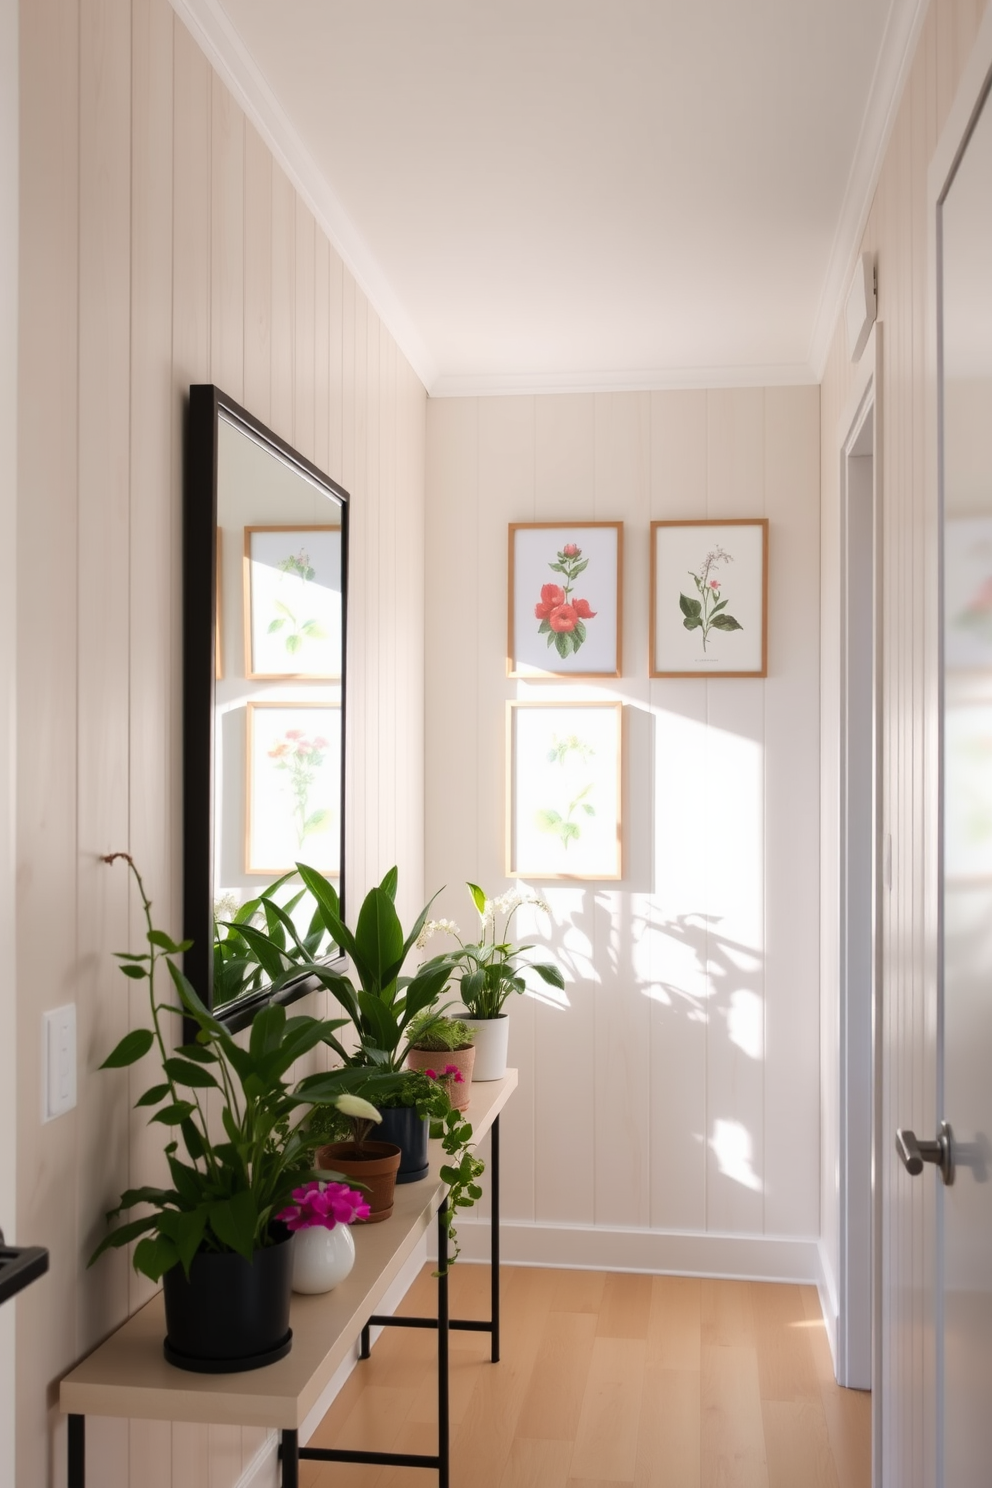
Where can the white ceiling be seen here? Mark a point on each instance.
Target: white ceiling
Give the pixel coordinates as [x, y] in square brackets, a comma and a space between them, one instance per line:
[545, 194]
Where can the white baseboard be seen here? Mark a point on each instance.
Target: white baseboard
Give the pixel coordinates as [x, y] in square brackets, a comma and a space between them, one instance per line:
[263, 1470]
[826, 1286]
[679, 1252]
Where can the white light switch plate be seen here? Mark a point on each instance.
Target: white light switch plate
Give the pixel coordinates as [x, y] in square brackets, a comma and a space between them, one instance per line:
[60, 1060]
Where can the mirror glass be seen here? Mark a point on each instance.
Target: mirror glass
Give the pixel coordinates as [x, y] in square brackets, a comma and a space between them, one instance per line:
[965, 237]
[265, 547]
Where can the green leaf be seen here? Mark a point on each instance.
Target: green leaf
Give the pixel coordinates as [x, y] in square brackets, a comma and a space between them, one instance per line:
[123, 1235]
[544, 627]
[166, 943]
[314, 630]
[132, 1047]
[185, 1072]
[193, 1138]
[693, 622]
[547, 821]
[317, 820]
[563, 644]
[726, 622]
[557, 567]
[233, 1221]
[293, 643]
[390, 882]
[198, 1053]
[174, 1115]
[478, 897]
[589, 810]
[579, 633]
[135, 972]
[274, 626]
[378, 939]
[269, 955]
[549, 973]
[153, 1096]
[154, 1257]
[580, 568]
[717, 607]
[689, 606]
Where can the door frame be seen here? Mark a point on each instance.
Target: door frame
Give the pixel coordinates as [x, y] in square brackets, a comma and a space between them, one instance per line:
[859, 1293]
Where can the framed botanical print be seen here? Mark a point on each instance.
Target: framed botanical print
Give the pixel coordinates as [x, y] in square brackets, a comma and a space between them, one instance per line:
[709, 598]
[293, 787]
[563, 793]
[292, 602]
[565, 599]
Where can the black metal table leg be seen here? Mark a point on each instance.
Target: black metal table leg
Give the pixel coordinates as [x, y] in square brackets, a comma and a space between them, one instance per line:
[289, 1452]
[77, 1452]
[443, 1427]
[494, 1242]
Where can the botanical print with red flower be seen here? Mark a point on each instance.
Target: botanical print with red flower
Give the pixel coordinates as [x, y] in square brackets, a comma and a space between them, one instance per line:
[561, 612]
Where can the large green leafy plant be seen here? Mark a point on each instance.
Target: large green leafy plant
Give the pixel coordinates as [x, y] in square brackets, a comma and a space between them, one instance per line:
[385, 1002]
[225, 1192]
[246, 956]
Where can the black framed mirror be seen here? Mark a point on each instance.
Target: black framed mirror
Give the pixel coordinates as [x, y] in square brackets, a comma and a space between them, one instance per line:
[265, 560]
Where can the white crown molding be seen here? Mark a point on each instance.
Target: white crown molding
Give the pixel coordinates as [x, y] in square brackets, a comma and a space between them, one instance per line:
[895, 57]
[213, 31]
[484, 385]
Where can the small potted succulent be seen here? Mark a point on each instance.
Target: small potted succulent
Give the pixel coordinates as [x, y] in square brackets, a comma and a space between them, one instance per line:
[445, 1048]
[487, 973]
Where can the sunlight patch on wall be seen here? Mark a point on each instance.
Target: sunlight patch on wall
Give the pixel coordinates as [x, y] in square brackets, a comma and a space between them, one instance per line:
[732, 1147]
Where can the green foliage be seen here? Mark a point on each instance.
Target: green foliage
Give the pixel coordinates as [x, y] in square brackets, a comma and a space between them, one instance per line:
[487, 971]
[246, 956]
[436, 1033]
[385, 1002]
[224, 1193]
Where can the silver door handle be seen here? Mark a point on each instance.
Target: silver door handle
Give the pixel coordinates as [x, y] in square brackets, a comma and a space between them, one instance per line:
[915, 1153]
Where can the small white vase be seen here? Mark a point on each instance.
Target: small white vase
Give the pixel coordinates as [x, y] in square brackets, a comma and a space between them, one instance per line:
[491, 1039]
[322, 1257]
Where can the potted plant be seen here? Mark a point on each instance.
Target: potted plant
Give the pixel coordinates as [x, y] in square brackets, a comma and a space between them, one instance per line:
[320, 1217]
[215, 1238]
[446, 1046]
[487, 972]
[383, 1006]
[426, 1096]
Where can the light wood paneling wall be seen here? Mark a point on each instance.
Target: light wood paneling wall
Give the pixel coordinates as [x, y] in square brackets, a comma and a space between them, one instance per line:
[679, 1088]
[896, 234]
[160, 245]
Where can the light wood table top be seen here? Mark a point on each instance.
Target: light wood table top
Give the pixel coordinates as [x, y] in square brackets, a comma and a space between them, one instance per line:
[128, 1375]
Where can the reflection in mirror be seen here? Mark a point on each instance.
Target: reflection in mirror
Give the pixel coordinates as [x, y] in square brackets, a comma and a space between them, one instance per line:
[264, 647]
[965, 228]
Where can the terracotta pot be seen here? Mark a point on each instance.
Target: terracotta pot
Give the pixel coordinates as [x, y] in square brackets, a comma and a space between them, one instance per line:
[436, 1059]
[374, 1164]
[491, 1036]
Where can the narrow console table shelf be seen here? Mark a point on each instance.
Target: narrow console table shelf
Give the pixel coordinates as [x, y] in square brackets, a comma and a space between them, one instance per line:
[127, 1376]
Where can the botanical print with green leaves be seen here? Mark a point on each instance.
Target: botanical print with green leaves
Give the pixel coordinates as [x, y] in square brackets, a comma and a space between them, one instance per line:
[300, 573]
[709, 611]
[570, 754]
[300, 759]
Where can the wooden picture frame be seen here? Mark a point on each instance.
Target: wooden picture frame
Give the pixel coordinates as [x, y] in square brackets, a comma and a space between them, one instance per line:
[565, 608]
[293, 818]
[292, 599]
[695, 630]
[564, 790]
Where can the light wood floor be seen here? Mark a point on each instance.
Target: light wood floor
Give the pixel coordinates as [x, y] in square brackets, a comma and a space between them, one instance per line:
[608, 1380]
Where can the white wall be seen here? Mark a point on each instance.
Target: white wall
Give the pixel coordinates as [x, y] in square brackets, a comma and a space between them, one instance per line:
[8, 612]
[674, 1101]
[161, 245]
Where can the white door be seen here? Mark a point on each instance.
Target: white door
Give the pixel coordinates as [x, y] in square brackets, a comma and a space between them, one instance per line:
[964, 1341]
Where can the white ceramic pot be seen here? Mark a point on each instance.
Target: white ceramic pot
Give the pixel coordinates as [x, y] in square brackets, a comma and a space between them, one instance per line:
[491, 1039]
[322, 1257]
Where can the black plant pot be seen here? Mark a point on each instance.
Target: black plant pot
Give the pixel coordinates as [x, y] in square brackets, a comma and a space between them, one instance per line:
[406, 1130]
[230, 1315]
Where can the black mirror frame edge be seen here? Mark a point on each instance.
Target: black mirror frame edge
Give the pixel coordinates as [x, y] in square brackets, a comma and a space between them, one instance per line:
[206, 406]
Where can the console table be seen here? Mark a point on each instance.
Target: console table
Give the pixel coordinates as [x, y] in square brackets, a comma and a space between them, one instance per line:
[127, 1376]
